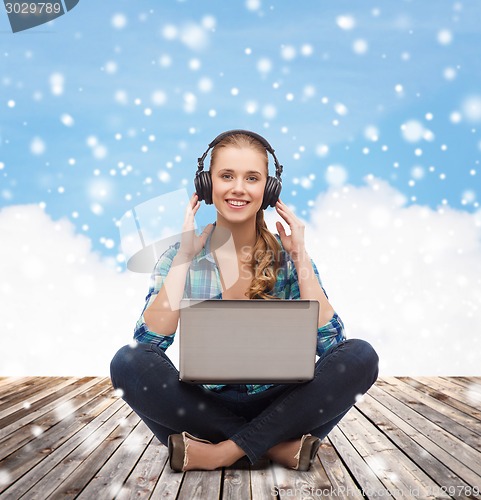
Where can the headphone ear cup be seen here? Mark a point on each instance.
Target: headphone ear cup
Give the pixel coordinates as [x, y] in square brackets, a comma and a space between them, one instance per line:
[203, 186]
[271, 192]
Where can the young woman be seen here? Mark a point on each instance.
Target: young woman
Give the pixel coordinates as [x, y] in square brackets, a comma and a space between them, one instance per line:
[212, 426]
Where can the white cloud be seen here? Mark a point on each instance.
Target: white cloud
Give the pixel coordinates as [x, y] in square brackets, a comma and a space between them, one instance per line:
[64, 310]
[407, 279]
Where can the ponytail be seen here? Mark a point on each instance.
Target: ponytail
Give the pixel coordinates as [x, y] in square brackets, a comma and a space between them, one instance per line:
[266, 257]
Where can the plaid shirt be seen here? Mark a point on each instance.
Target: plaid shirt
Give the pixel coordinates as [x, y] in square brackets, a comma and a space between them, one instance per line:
[203, 282]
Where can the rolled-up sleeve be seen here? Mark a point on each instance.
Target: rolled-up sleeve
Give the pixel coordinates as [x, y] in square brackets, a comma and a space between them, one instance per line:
[161, 269]
[332, 332]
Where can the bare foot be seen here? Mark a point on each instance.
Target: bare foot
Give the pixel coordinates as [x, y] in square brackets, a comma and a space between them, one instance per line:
[284, 453]
[204, 456]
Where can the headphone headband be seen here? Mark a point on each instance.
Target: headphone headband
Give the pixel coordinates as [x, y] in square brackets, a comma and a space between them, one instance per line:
[220, 137]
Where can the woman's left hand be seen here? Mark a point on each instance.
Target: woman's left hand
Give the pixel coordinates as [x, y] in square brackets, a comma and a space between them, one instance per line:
[293, 243]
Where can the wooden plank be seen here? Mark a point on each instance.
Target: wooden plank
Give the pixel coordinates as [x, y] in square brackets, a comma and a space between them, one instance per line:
[11, 423]
[446, 382]
[341, 481]
[145, 475]
[200, 485]
[86, 460]
[7, 382]
[262, 481]
[169, 483]
[388, 445]
[65, 438]
[364, 476]
[25, 390]
[22, 397]
[307, 484]
[108, 481]
[46, 421]
[459, 417]
[457, 391]
[445, 392]
[237, 480]
[433, 437]
[21, 394]
[406, 438]
[71, 475]
[236, 484]
[27, 404]
[10, 383]
[470, 389]
[434, 411]
[398, 473]
[469, 383]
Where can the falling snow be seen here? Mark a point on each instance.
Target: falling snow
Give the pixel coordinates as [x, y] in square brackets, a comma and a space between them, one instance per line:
[346, 22]
[350, 100]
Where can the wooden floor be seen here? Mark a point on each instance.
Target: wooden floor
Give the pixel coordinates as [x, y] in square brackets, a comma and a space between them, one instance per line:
[74, 438]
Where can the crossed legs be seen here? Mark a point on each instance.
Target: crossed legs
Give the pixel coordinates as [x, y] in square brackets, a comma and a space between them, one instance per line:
[150, 386]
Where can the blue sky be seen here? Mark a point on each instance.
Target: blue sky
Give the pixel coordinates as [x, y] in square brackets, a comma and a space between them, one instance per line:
[109, 106]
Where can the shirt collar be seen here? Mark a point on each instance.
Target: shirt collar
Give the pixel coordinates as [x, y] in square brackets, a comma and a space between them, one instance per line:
[205, 253]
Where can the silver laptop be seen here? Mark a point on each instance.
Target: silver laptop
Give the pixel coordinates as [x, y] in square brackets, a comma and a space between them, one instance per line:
[247, 341]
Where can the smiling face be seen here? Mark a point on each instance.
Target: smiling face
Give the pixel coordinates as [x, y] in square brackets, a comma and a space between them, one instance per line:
[239, 176]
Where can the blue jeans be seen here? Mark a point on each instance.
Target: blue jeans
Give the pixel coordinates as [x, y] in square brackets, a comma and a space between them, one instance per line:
[151, 387]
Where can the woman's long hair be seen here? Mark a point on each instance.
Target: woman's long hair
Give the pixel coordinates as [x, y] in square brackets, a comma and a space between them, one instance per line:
[266, 254]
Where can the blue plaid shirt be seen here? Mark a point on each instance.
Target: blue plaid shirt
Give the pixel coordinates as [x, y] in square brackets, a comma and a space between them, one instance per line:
[203, 282]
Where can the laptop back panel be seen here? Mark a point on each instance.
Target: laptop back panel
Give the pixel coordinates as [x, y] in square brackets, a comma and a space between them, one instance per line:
[247, 341]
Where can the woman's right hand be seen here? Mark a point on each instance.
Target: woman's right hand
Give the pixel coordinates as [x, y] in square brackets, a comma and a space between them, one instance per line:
[190, 243]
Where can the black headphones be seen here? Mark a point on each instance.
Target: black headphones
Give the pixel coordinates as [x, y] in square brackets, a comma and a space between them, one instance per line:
[203, 180]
